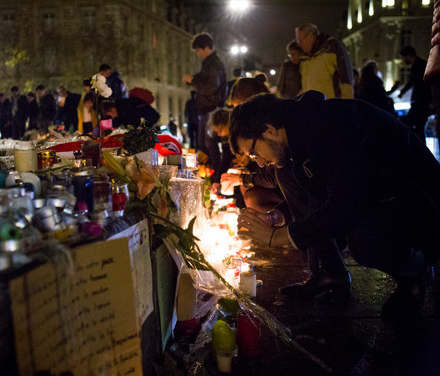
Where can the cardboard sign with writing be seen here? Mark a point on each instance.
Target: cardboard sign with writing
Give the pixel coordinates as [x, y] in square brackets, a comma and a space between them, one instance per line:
[139, 246]
[81, 320]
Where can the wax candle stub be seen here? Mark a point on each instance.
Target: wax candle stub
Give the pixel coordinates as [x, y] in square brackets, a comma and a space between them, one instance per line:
[224, 362]
[248, 283]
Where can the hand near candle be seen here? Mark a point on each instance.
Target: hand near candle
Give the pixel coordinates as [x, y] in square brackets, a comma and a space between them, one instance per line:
[253, 225]
[257, 227]
[215, 188]
[230, 179]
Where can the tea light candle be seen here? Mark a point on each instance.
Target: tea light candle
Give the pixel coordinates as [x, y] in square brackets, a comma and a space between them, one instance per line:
[248, 283]
[25, 158]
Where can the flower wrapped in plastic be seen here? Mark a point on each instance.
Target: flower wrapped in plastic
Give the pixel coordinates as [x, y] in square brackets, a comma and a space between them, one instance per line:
[145, 177]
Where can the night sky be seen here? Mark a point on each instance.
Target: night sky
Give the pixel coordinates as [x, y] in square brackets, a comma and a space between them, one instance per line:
[269, 25]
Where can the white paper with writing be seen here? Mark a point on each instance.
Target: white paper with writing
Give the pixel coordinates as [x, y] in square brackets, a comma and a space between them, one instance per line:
[84, 322]
[139, 245]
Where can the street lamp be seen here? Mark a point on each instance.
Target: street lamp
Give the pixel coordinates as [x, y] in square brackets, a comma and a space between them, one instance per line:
[235, 50]
[239, 50]
[273, 72]
[239, 6]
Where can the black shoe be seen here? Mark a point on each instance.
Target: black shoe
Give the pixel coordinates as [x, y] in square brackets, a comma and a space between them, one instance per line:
[405, 302]
[321, 286]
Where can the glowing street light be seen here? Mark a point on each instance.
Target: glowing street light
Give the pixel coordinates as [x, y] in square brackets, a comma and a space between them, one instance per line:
[238, 50]
[235, 50]
[272, 72]
[239, 6]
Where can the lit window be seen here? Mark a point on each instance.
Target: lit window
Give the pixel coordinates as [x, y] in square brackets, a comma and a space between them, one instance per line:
[371, 8]
[359, 14]
[349, 22]
[426, 3]
[388, 3]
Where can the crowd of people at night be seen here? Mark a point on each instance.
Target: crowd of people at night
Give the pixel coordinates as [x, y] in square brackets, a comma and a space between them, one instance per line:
[321, 164]
[75, 112]
[324, 164]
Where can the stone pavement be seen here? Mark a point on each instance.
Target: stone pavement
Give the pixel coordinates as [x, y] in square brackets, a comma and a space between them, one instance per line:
[350, 338]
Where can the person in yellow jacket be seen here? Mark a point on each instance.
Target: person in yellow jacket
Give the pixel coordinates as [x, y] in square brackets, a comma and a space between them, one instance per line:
[87, 117]
[326, 66]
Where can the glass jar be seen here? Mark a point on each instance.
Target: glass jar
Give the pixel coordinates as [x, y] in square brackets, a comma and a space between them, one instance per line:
[46, 158]
[83, 187]
[26, 159]
[102, 193]
[92, 150]
[119, 198]
[21, 204]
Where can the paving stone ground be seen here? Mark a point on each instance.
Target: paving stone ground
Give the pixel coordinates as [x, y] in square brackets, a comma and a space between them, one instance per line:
[350, 338]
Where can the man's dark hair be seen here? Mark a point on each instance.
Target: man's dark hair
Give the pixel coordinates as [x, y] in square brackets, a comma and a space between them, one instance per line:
[30, 94]
[219, 118]
[237, 72]
[87, 82]
[292, 45]
[262, 77]
[14, 88]
[202, 40]
[104, 67]
[408, 51]
[248, 120]
[40, 87]
[246, 87]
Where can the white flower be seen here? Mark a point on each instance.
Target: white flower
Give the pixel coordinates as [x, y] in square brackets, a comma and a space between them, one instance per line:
[100, 86]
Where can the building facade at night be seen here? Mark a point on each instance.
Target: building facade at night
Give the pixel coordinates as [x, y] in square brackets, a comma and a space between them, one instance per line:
[63, 42]
[378, 29]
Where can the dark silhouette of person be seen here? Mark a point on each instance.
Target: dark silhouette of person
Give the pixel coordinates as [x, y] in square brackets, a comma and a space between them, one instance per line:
[192, 119]
[421, 94]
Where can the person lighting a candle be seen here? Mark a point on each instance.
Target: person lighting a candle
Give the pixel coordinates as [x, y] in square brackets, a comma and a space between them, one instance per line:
[367, 177]
[329, 280]
[219, 125]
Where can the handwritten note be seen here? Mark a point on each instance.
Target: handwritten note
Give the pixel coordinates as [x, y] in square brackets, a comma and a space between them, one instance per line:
[80, 319]
[139, 246]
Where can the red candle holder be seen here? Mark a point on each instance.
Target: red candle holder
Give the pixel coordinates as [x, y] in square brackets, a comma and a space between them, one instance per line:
[248, 335]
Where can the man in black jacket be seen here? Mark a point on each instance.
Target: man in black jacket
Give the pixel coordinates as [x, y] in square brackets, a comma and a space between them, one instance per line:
[16, 108]
[367, 177]
[130, 111]
[210, 85]
[47, 109]
[192, 119]
[420, 96]
[67, 109]
[4, 116]
[119, 89]
[32, 110]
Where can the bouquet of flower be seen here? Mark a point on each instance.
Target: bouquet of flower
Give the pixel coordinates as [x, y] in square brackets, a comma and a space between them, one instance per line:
[144, 181]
